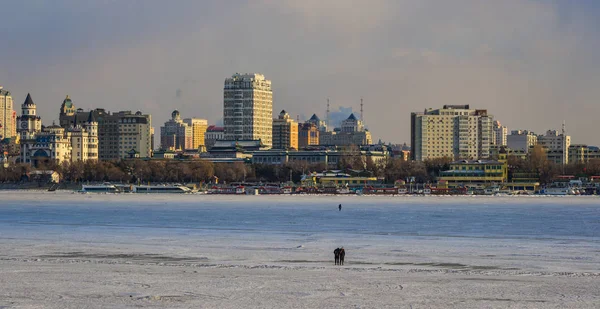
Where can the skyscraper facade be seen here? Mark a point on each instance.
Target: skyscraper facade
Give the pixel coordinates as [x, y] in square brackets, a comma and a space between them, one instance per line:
[248, 108]
[500, 133]
[285, 132]
[8, 116]
[199, 127]
[454, 131]
[175, 134]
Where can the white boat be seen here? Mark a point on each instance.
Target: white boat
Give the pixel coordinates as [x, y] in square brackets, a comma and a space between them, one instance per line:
[161, 189]
[99, 188]
[558, 188]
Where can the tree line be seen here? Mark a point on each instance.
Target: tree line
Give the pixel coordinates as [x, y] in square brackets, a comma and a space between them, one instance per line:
[198, 171]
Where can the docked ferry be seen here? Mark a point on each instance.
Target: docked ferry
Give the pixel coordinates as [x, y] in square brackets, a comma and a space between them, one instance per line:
[558, 188]
[99, 188]
[161, 189]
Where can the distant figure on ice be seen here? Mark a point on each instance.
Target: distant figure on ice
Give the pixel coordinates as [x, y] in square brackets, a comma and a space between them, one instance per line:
[340, 207]
[336, 254]
[342, 255]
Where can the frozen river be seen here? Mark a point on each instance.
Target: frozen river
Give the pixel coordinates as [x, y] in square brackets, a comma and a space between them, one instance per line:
[479, 236]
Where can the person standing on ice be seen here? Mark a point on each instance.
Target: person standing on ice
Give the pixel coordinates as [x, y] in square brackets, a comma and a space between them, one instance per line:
[340, 207]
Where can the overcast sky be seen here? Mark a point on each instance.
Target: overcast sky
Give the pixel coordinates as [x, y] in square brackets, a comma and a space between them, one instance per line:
[531, 63]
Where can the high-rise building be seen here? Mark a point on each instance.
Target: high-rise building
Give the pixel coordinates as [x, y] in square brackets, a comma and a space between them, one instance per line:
[119, 134]
[308, 135]
[248, 108]
[352, 132]
[199, 127]
[175, 134]
[500, 132]
[521, 140]
[213, 134]
[8, 117]
[77, 142]
[285, 132]
[454, 131]
[557, 143]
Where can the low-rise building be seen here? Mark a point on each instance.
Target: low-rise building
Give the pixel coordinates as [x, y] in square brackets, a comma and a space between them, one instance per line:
[213, 134]
[476, 172]
[329, 156]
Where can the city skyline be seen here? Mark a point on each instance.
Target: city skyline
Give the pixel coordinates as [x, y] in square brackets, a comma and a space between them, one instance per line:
[531, 73]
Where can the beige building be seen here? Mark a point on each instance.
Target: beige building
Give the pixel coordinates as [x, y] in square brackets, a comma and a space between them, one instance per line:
[176, 135]
[352, 132]
[285, 132]
[119, 134]
[308, 135]
[199, 127]
[454, 131]
[248, 108]
[77, 142]
[8, 116]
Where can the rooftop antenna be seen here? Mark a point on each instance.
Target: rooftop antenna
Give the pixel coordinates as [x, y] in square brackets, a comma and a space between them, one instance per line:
[298, 118]
[327, 116]
[361, 110]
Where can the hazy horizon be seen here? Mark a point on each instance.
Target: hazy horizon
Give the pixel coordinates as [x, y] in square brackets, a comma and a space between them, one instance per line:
[533, 64]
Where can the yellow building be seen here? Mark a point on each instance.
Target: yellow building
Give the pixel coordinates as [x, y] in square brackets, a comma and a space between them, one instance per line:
[475, 172]
[199, 127]
[285, 132]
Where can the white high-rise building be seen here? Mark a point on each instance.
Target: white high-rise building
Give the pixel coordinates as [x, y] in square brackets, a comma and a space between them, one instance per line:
[454, 131]
[248, 108]
[500, 132]
[557, 143]
[8, 116]
[521, 140]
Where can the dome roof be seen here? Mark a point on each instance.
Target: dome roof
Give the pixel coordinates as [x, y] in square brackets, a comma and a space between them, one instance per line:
[175, 114]
[67, 102]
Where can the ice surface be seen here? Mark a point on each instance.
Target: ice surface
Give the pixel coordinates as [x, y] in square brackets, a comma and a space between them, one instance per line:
[462, 252]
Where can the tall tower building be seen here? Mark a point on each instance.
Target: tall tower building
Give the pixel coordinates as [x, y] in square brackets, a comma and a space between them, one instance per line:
[30, 124]
[175, 134]
[248, 108]
[454, 131]
[8, 117]
[199, 127]
[285, 132]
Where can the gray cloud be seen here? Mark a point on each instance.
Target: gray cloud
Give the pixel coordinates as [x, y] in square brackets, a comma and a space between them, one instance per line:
[533, 64]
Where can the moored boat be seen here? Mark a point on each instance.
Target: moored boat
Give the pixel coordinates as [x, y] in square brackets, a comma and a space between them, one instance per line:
[99, 188]
[161, 189]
